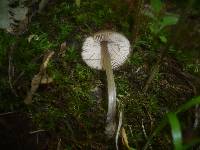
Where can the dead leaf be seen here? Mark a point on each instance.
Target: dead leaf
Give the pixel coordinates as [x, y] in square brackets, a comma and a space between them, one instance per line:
[46, 80]
[39, 78]
[46, 59]
[124, 138]
[34, 86]
[33, 36]
[63, 48]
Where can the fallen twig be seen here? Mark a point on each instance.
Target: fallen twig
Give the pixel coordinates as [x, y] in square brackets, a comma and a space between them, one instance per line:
[59, 144]
[129, 126]
[143, 130]
[7, 113]
[11, 69]
[145, 134]
[37, 131]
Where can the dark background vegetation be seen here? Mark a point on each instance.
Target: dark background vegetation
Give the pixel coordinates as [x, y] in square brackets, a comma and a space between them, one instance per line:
[162, 73]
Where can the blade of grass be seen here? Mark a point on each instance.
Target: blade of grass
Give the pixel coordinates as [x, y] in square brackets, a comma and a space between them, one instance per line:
[189, 104]
[176, 130]
[156, 132]
[182, 108]
[192, 143]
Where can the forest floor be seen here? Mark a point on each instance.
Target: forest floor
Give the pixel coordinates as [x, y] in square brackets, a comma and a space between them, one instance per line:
[68, 110]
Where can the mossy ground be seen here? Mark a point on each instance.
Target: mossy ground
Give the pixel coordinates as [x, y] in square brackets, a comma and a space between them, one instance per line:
[67, 108]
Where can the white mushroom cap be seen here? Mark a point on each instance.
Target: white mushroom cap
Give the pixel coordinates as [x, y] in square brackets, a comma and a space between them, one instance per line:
[118, 47]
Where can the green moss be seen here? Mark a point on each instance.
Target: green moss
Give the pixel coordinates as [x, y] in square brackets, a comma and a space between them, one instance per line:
[136, 59]
[66, 106]
[72, 55]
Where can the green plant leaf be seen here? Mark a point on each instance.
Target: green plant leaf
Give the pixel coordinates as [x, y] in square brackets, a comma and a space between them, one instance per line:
[78, 3]
[156, 5]
[154, 28]
[163, 39]
[176, 130]
[132, 148]
[149, 14]
[168, 20]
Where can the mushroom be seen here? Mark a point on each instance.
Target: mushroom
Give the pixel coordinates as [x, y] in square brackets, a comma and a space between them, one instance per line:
[107, 50]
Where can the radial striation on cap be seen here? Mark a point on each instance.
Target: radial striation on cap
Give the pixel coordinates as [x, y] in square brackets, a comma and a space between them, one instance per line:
[118, 47]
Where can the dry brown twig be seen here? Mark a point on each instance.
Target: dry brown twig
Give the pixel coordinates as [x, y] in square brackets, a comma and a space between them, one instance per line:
[40, 78]
[11, 69]
[145, 134]
[6, 113]
[59, 144]
[37, 131]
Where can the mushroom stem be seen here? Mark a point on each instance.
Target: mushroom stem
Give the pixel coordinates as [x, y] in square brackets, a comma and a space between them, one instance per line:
[106, 64]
